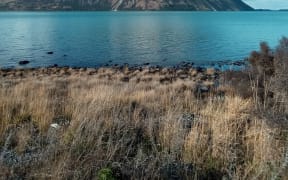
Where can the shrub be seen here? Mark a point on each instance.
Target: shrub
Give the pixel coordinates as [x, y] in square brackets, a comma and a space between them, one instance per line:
[262, 61]
[280, 79]
[105, 174]
[262, 69]
[269, 73]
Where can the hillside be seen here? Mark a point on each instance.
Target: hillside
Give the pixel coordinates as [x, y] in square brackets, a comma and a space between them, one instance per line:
[201, 5]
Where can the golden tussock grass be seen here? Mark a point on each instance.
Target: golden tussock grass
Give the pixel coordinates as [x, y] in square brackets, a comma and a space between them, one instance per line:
[138, 129]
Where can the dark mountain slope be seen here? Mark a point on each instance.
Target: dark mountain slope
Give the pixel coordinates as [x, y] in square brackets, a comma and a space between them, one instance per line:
[197, 5]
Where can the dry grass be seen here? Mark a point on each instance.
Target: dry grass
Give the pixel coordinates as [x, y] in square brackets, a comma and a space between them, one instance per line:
[138, 129]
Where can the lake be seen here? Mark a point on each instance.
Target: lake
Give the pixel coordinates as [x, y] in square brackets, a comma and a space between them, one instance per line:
[91, 39]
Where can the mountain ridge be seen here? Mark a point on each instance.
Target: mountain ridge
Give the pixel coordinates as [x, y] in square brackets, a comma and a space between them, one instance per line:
[126, 5]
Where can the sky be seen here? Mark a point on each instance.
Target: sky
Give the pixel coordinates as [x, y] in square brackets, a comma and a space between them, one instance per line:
[268, 4]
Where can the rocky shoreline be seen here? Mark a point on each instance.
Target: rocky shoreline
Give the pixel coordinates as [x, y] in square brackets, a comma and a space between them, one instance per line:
[203, 80]
[181, 72]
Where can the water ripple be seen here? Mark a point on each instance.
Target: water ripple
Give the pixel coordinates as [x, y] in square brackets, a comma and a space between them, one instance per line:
[91, 39]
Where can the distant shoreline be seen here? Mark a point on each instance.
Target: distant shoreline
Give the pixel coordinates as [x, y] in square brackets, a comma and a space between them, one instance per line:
[87, 10]
[79, 10]
[119, 5]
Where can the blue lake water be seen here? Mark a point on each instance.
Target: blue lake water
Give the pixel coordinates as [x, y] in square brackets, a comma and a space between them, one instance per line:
[159, 38]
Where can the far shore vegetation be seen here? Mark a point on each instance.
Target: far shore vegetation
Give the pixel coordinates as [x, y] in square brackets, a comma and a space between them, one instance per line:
[147, 123]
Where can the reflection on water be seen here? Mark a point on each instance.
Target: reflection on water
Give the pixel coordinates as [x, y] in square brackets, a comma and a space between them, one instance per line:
[165, 38]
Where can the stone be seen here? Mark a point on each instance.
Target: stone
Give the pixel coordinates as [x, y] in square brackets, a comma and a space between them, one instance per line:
[210, 71]
[24, 62]
[200, 69]
[125, 79]
[183, 76]
[55, 126]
